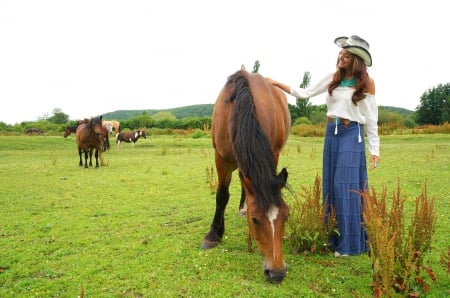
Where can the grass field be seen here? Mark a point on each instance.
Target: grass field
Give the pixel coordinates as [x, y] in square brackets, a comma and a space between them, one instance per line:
[133, 228]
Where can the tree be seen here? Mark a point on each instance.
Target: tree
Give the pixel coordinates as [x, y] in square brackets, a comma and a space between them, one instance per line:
[434, 107]
[58, 117]
[303, 107]
[256, 67]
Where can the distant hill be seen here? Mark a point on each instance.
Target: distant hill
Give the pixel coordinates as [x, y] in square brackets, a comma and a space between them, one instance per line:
[203, 110]
[401, 111]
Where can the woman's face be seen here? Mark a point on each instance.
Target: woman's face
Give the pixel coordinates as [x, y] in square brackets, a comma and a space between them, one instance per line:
[345, 60]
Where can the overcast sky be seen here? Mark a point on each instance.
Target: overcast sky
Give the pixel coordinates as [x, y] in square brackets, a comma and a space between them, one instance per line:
[97, 56]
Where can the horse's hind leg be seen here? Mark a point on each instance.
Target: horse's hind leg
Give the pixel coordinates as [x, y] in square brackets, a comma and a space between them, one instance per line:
[80, 153]
[96, 158]
[217, 229]
[90, 157]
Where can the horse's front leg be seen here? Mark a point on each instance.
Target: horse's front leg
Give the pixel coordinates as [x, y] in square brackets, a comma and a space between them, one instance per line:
[217, 229]
[86, 159]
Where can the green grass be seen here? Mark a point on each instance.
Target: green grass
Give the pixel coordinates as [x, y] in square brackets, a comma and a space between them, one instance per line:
[134, 227]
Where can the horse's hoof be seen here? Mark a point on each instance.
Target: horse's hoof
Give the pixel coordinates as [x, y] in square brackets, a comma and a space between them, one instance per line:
[207, 244]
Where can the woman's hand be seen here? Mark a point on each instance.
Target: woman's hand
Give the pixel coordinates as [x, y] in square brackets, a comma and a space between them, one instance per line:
[271, 81]
[374, 160]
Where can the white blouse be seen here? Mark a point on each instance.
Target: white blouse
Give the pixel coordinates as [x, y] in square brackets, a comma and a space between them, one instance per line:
[340, 104]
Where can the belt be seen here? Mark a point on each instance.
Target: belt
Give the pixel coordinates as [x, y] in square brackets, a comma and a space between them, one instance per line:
[337, 120]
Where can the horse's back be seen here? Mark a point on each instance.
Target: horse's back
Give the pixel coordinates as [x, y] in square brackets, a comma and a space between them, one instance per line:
[271, 110]
[80, 133]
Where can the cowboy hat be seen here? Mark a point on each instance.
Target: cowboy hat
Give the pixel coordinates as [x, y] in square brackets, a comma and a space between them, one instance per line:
[355, 45]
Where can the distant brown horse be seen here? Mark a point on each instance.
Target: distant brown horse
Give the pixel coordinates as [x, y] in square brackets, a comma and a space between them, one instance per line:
[130, 137]
[250, 125]
[83, 121]
[89, 139]
[70, 129]
[73, 128]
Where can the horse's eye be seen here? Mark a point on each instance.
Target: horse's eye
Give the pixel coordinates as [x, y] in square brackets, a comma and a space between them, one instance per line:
[255, 220]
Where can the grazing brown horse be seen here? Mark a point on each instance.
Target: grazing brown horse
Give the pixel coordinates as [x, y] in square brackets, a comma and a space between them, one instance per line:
[84, 121]
[89, 139]
[70, 129]
[129, 137]
[250, 126]
[73, 128]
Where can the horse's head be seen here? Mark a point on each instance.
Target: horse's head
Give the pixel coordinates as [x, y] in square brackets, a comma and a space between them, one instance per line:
[109, 127]
[143, 134]
[95, 124]
[266, 223]
[67, 132]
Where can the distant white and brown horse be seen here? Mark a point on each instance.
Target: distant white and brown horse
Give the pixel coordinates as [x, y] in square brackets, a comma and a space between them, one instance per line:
[115, 125]
[129, 137]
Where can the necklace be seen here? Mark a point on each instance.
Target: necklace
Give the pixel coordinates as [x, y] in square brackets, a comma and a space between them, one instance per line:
[348, 83]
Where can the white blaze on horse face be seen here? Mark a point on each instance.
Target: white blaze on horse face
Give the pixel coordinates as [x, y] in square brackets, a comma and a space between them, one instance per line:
[272, 215]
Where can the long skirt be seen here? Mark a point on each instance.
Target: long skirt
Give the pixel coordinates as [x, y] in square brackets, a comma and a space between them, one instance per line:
[344, 177]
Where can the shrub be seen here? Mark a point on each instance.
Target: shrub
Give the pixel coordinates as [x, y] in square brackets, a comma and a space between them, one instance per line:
[305, 130]
[397, 253]
[309, 231]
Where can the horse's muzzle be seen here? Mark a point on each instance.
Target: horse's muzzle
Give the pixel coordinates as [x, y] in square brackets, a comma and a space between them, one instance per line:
[275, 276]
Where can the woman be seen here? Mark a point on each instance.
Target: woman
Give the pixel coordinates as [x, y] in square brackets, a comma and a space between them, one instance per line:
[350, 99]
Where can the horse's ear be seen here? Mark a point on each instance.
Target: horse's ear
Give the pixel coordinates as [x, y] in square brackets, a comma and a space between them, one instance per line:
[101, 116]
[282, 177]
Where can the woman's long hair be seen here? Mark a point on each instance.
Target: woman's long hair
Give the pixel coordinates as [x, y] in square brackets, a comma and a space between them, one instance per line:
[359, 71]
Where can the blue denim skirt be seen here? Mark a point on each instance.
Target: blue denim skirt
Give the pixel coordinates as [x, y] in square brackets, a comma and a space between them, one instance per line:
[344, 176]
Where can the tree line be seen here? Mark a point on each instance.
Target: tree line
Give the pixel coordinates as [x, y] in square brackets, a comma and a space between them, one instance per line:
[434, 109]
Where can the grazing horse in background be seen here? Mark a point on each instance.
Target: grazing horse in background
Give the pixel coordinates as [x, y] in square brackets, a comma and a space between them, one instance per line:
[129, 137]
[105, 145]
[250, 125]
[114, 124]
[84, 121]
[104, 139]
[73, 128]
[89, 139]
[70, 129]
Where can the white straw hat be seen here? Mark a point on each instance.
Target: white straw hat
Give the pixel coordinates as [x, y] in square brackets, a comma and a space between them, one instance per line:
[357, 46]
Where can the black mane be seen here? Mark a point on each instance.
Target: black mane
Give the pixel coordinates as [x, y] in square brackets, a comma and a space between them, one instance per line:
[251, 146]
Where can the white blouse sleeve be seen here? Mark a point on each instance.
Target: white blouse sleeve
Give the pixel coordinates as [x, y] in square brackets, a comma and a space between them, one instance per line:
[312, 91]
[369, 109]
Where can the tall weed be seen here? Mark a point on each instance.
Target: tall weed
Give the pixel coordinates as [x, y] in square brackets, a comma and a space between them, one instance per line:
[309, 231]
[396, 252]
